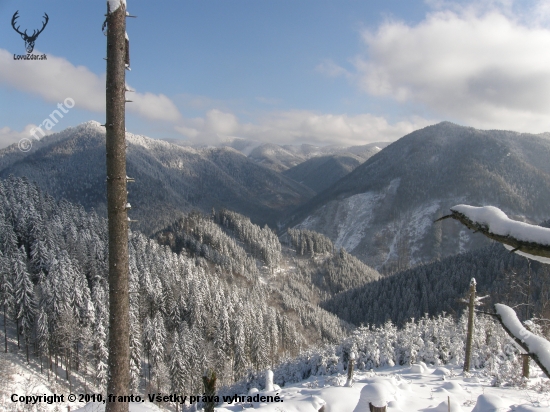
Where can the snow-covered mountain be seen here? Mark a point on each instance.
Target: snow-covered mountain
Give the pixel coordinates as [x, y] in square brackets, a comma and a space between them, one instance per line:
[231, 297]
[284, 157]
[383, 211]
[169, 178]
[319, 173]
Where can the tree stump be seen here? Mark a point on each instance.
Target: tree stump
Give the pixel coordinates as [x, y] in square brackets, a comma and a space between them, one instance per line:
[526, 359]
[376, 408]
[209, 382]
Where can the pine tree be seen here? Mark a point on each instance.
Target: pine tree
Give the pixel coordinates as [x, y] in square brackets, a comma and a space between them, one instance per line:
[6, 293]
[135, 330]
[258, 347]
[157, 340]
[23, 293]
[42, 333]
[239, 349]
[100, 354]
[177, 367]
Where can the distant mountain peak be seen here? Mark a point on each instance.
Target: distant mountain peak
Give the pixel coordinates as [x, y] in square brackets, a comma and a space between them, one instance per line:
[436, 165]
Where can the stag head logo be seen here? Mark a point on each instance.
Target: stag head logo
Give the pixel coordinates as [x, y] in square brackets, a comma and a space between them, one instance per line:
[29, 40]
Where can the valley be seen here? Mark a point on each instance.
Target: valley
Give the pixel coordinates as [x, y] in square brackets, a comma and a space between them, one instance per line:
[242, 264]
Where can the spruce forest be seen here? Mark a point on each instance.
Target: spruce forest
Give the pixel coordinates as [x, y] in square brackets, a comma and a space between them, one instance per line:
[217, 291]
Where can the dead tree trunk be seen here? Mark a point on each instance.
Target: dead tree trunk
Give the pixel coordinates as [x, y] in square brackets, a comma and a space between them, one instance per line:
[469, 338]
[119, 329]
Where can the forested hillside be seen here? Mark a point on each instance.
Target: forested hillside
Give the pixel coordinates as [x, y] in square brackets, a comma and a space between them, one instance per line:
[170, 179]
[319, 173]
[434, 288]
[231, 297]
[306, 266]
[382, 212]
[205, 306]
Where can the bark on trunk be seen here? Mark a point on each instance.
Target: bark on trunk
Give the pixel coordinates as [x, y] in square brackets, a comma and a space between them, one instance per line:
[525, 372]
[119, 330]
[469, 338]
[5, 333]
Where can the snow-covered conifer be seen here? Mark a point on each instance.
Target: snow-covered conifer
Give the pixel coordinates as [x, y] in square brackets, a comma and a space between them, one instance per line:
[6, 293]
[23, 293]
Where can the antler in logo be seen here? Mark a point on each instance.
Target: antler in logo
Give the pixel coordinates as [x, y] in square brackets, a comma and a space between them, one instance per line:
[29, 40]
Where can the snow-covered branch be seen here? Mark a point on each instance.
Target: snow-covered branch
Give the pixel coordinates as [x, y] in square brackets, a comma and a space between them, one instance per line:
[527, 240]
[537, 347]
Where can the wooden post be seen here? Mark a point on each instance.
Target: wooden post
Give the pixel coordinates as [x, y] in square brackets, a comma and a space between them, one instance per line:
[376, 408]
[526, 359]
[469, 338]
[119, 306]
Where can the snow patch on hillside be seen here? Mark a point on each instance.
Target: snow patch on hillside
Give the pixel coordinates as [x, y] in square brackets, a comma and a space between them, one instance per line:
[250, 148]
[420, 222]
[463, 239]
[356, 213]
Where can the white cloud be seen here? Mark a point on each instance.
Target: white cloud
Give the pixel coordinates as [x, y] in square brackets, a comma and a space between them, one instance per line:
[219, 122]
[486, 70]
[9, 136]
[292, 127]
[153, 106]
[56, 78]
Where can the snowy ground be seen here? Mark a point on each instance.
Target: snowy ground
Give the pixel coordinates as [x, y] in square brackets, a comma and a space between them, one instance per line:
[404, 389]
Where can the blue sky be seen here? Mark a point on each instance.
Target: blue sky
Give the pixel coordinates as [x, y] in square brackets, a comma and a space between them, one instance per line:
[286, 71]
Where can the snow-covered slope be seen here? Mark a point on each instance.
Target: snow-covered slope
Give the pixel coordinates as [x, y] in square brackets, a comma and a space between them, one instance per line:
[170, 178]
[384, 209]
[417, 388]
[281, 158]
[402, 389]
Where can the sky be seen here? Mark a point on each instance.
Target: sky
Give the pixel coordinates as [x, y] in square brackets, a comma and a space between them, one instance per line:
[345, 72]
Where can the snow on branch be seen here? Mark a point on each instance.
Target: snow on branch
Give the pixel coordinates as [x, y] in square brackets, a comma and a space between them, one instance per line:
[537, 347]
[527, 240]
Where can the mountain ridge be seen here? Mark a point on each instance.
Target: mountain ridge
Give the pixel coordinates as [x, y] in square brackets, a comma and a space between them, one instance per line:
[384, 209]
[170, 179]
